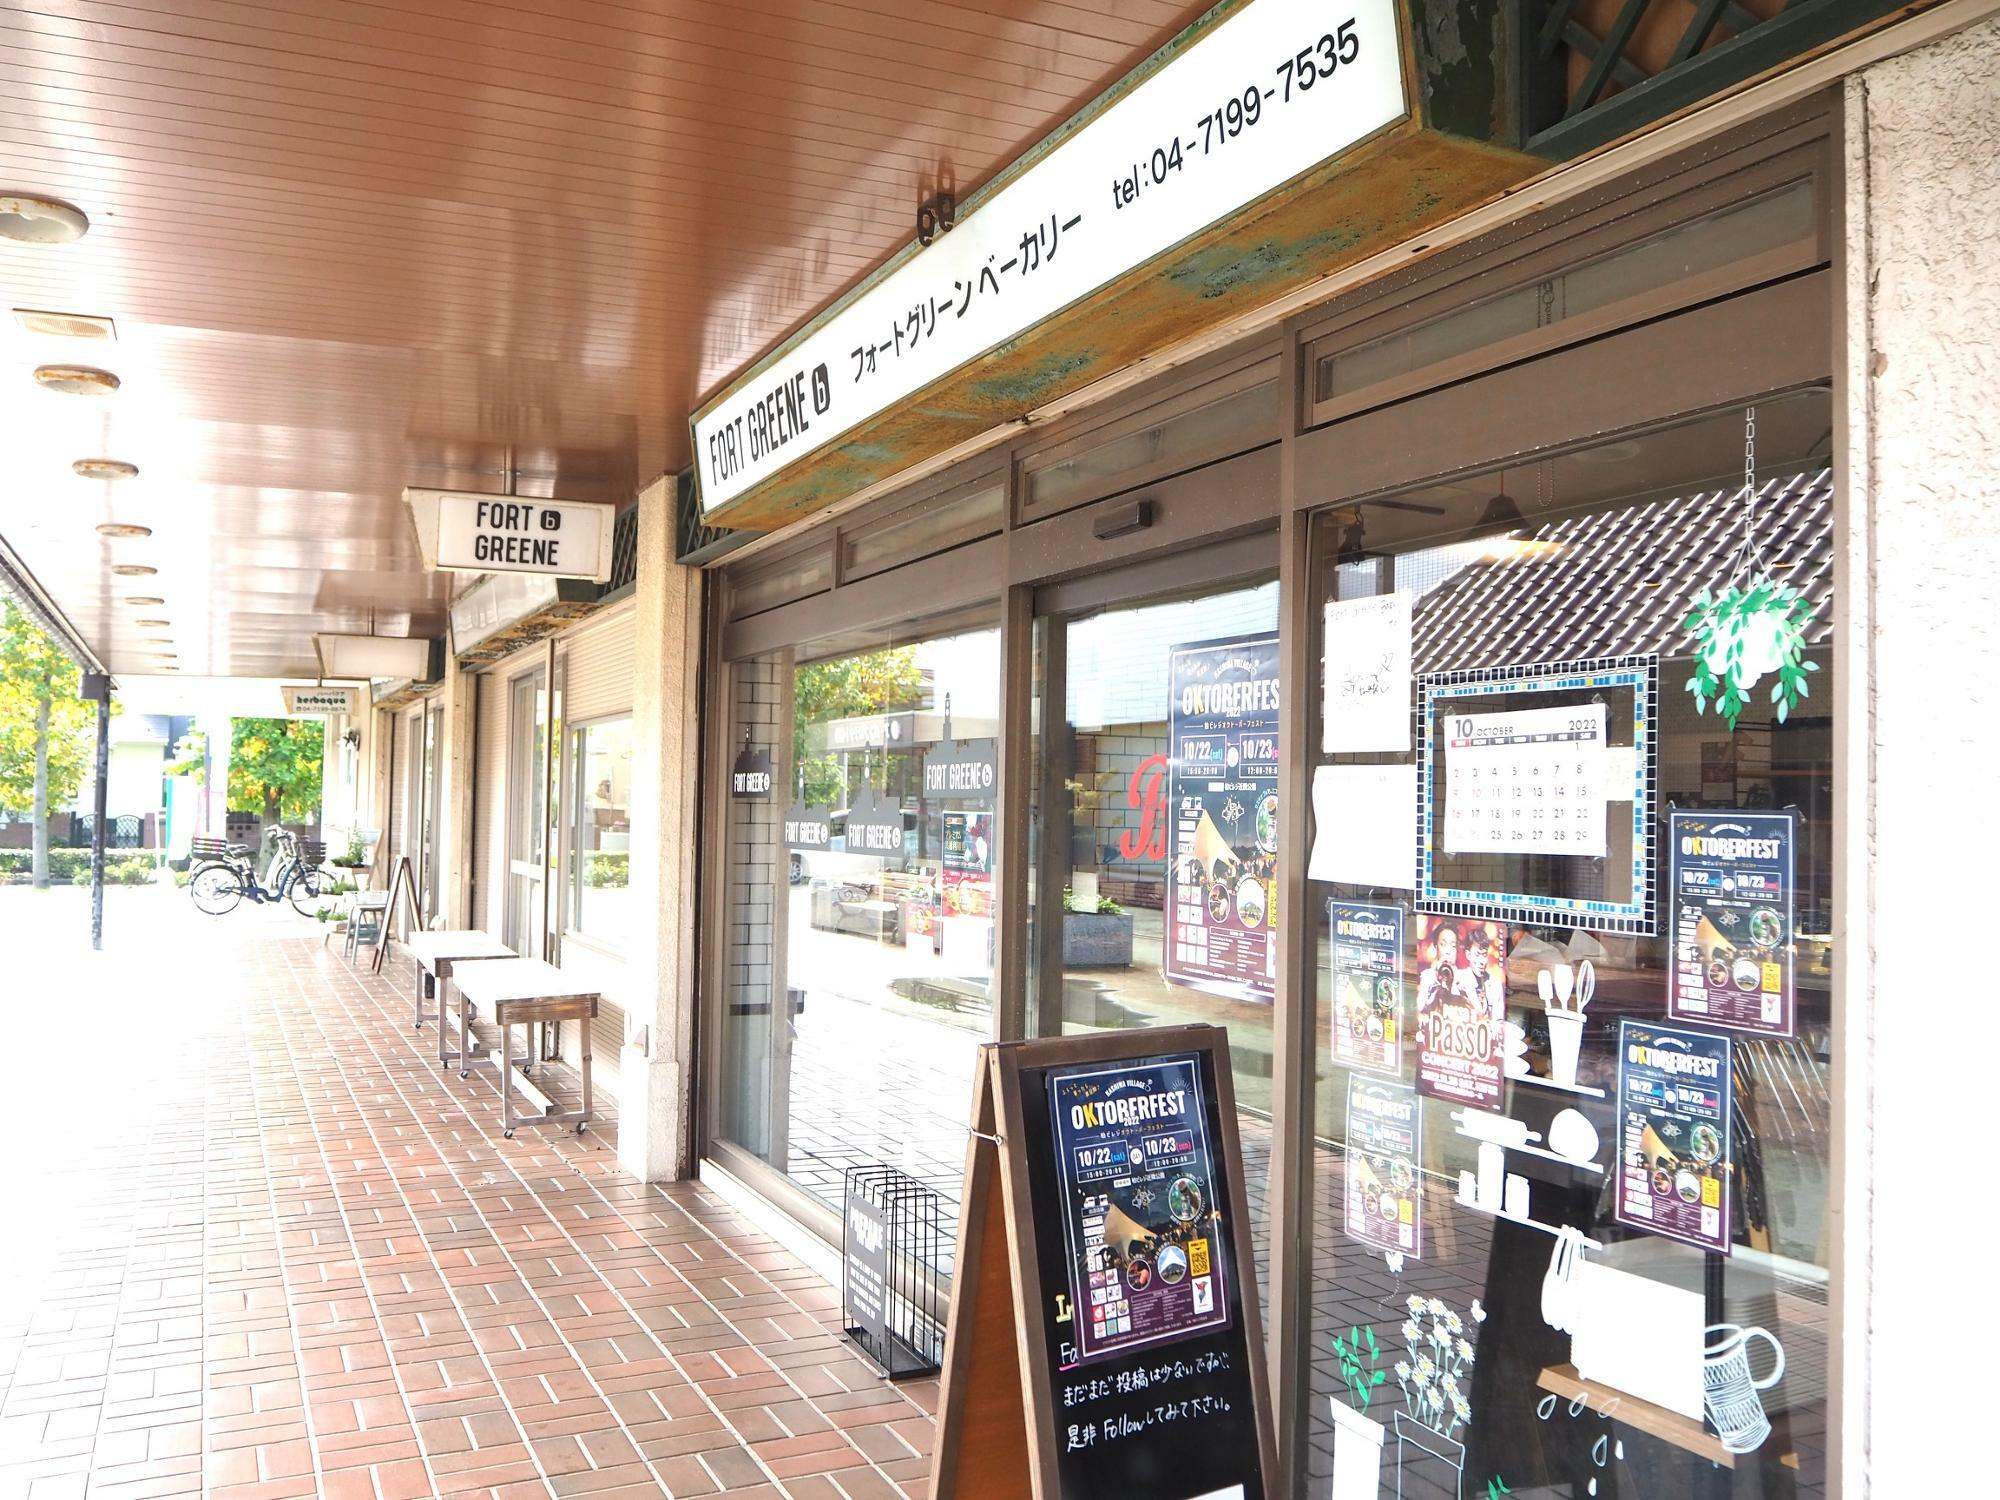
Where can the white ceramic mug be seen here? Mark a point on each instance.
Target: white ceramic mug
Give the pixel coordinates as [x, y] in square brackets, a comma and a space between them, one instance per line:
[1729, 1392]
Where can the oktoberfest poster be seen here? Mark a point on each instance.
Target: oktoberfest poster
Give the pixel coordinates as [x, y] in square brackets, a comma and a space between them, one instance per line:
[1732, 891]
[1461, 1008]
[1222, 887]
[1367, 985]
[1139, 1198]
[1384, 1198]
[1673, 1120]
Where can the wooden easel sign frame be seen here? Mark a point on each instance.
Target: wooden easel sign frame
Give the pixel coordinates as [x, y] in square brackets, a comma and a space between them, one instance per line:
[402, 887]
[1104, 1337]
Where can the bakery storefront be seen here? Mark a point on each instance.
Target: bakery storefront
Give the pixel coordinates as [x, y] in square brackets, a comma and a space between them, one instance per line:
[1434, 687]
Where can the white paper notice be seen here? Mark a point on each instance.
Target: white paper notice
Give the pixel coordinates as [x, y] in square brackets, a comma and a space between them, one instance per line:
[1530, 782]
[1367, 689]
[1364, 826]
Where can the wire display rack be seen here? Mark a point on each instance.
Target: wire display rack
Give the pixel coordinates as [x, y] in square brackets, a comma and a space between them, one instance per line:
[892, 1298]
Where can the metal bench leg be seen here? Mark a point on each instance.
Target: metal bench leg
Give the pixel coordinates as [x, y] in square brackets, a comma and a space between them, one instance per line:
[507, 1080]
[424, 987]
[585, 1028]
[464, 1036]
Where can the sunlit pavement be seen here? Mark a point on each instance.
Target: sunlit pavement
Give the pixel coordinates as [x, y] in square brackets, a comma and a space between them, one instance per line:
[257, 1243]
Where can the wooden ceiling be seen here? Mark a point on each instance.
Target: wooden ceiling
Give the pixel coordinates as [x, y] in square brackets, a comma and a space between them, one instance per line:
[353, 246]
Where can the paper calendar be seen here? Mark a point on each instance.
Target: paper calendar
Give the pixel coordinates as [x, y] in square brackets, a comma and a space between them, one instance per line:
[1527, 782]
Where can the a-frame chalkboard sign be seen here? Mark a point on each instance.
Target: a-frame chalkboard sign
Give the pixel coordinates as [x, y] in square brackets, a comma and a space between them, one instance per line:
[1103, 1336]
[402, 896]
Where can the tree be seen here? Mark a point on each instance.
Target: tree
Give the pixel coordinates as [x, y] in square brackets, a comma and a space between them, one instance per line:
[872, 683]
[46, 730]
[274, 768]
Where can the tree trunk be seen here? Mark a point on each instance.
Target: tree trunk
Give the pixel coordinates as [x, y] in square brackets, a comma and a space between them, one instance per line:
[39, 861]
[273, 803]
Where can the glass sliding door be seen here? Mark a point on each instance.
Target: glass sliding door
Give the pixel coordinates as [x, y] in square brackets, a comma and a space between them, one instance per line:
[861, 916]
[527, 813]
[1156, 822]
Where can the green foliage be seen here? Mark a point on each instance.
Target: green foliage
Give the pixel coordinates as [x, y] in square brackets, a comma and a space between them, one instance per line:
[607, 871]
[1733, 631]
[33, 671]
[1496, 1487]
[72, 867]
[190, 757]
[1359, 1355]
[274, 768]
[1104, 907]
[871, 683]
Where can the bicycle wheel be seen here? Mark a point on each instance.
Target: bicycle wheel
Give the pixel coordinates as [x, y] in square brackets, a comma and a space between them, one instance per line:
[216, 889]
[303, 887]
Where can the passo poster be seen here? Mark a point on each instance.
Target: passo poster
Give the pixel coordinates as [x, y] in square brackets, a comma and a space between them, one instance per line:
[1367, 985]
[1140, 1204]
[1222, 871]
[1384, 1188]
[1461, 1008]
[1733, 902]
[1674, 1141]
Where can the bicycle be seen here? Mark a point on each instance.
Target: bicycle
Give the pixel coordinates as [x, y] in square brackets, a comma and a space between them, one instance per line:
[219, 886]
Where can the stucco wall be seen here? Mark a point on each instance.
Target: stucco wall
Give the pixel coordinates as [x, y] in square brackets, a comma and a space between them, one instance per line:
[1923, 493]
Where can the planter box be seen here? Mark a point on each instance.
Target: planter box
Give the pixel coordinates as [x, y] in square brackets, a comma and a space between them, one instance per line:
[1097, 940]
[1357, 1453]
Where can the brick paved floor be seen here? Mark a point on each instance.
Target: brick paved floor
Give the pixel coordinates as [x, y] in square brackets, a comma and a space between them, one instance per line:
[257, 1244]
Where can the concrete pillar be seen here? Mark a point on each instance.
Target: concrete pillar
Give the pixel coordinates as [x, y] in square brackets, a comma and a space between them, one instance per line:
[1919, 719]
[655, 1132]
[459, 697]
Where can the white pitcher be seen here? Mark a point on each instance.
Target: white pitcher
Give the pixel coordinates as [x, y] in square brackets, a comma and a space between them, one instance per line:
[1729, 1393]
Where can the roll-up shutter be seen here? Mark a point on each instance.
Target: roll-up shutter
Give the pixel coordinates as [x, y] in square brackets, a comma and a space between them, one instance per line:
[399, 776]
[599, 679]
[489, 798]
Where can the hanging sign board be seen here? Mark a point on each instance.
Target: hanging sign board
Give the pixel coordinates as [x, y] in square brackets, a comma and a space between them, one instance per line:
[310, 702]
[1259, 98]
[472, 533]
[1731, 896]
[875, 826]
[750, 777]
[1103, 1337]
[808, 829]
[961, 771]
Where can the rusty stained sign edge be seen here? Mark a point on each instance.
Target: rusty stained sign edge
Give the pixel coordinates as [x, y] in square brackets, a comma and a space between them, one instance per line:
[1383, 191]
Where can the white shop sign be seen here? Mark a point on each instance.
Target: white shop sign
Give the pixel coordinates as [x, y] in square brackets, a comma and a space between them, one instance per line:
[1269, 93]
[303, 702]
[473, 533]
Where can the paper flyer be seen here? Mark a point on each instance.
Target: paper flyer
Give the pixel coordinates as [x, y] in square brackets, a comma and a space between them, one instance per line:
[1367, 985]
[1364, 826]
[1527, 782]
[1139, 1204]
[1461, 1008]
[1732, 905]
[1367, 674]
[1675, 1152]
[1385, 1123]
[1222, 886]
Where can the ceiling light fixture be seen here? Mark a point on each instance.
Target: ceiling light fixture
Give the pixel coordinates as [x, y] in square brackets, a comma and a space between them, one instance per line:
[133, 570]
[154, 624]
[64, 325]
[144, 601]
[123, 528]
[35, 220]
[105, 468]
[159, 640]
[76, 380]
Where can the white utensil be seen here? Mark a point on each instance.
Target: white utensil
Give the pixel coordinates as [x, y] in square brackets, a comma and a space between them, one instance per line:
[1573, 1137]
[1586, 985]
[1565, 979]
[1546, 986]
[1501, 1130]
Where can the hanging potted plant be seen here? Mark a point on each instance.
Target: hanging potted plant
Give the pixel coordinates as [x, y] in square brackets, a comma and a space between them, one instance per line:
[1357, 1437]
[1754, 627]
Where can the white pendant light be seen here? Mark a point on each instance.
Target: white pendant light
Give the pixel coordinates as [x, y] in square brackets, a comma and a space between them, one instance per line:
[76, 380]
[34, 220]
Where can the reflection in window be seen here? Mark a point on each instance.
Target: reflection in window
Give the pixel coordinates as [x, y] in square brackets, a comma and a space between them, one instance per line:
[601, 838]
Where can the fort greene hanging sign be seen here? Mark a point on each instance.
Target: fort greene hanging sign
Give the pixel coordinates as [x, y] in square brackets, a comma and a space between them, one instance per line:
[1258, 99]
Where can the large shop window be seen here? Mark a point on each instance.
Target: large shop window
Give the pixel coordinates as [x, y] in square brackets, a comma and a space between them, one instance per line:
[857, 981]
[601, 833]
[1157, 815]
[1573, 910]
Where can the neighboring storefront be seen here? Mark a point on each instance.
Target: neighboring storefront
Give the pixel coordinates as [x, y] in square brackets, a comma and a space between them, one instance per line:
[1435, 691]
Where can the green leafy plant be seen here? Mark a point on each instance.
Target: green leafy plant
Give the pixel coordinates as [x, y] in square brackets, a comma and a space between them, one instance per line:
[355, 854]
[1358, 1364]
[1742, 634]
[1103, 907]
[1496, 1487]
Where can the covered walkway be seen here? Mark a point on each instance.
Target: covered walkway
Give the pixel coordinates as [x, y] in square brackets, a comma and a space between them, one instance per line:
[259, 1244]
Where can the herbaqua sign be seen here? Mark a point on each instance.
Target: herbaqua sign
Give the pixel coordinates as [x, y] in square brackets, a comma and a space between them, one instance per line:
[1261, 97]
[460, 532]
